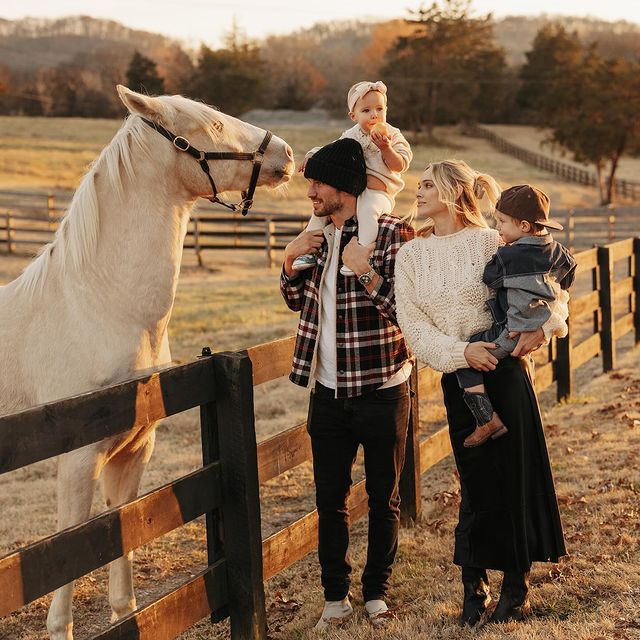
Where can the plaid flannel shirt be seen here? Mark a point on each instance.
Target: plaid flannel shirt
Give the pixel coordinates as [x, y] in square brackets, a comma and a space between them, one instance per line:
[370, 347]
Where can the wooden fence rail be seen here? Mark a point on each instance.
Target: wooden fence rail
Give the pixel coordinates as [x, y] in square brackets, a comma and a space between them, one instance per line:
[26, 226]
[571, 173]
[226, 488]
[29, 220]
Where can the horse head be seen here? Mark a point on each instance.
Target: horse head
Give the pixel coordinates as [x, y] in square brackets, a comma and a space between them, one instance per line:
[243, 155]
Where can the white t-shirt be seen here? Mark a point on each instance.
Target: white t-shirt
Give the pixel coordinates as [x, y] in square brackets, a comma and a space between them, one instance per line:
[326, 370]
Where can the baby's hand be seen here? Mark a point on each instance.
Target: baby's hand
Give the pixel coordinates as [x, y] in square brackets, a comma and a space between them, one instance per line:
[380, 135]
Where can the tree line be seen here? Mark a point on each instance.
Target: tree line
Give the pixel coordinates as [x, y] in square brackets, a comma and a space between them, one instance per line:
[442, 65]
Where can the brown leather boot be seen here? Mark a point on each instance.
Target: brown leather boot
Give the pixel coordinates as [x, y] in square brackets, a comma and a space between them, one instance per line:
[492, 429]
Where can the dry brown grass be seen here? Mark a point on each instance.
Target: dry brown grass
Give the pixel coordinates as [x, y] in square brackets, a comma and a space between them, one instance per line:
[45, 153]
[535, 140]
[236, 304]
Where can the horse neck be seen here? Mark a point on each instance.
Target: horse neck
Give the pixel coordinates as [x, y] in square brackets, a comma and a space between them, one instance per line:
[139, 251]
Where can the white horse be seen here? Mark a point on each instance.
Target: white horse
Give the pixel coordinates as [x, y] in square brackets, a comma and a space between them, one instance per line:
[93, 308]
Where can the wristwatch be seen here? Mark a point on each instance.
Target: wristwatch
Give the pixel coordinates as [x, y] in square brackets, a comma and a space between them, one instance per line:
[367, 277]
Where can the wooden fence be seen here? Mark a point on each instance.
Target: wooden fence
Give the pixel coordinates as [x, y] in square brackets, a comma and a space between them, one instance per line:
[226, 488]
[569, 172]
[29, 220]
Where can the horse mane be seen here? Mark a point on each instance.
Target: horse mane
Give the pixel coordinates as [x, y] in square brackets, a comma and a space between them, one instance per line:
[77, 236]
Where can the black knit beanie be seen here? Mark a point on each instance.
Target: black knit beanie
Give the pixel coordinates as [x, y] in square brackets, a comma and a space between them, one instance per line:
[340, 165]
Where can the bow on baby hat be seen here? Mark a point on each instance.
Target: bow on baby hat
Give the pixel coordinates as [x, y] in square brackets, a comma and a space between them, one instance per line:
[360, 89]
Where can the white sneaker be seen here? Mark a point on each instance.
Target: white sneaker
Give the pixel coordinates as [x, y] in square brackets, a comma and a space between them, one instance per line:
[377, 612]
[305, 261]
[334, 611]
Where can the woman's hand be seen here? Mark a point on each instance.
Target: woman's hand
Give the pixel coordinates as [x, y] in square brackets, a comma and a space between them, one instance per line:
[527, 342]
[356, 256]
[479, 357]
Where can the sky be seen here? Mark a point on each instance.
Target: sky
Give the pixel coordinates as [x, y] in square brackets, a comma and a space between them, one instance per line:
[206, 21]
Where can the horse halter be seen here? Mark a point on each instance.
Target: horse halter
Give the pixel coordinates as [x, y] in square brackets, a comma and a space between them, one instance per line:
[182, 144]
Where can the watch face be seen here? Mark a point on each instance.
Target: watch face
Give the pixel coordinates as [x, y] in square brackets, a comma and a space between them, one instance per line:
[365, 278]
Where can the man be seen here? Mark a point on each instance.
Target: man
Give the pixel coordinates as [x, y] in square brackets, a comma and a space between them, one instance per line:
[349, 343]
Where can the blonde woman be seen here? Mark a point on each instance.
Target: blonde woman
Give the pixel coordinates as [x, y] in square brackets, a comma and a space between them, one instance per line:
[508, 513]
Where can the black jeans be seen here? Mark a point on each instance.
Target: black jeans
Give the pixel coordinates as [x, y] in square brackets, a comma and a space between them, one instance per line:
[377, 421]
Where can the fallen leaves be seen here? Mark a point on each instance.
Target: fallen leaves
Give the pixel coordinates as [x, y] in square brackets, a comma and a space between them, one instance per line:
[630, 418]
[608, 408]
[446, 497]
[282, 611]
[566, 500]
[436, 525]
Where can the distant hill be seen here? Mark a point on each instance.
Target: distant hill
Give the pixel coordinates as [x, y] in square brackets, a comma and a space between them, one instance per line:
[32, 43]
[69, 66]
[516, 34]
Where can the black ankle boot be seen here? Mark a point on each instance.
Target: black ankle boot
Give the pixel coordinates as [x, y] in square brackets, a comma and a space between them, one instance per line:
[476, 595]
[514, 601]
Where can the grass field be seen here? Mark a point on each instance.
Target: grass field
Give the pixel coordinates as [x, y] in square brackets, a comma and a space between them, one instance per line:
[536, 140]
[594, 441]
[52, 153]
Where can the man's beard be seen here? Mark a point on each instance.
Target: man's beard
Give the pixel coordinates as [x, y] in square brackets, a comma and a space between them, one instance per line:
[329, 207]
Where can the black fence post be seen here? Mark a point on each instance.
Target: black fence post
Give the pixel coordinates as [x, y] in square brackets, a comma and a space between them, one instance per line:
[636, 287]
[607, 330]
[211, 453]
[410, 480]
[240, 494]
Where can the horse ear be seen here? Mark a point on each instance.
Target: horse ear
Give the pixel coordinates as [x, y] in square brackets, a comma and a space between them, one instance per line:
[140, 104]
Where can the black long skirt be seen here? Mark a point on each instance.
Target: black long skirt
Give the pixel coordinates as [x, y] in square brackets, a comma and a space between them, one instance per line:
[509, 512]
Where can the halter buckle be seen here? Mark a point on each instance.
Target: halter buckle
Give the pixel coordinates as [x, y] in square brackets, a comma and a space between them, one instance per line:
[178, 141]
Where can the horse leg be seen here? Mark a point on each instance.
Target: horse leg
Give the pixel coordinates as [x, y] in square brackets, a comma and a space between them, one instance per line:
[77, 474]
[120, 482]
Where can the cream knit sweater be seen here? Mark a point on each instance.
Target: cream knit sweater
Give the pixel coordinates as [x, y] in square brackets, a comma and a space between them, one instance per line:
[440, 296]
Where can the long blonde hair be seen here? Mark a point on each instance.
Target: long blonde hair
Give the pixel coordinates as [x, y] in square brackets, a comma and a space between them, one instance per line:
[452, 176]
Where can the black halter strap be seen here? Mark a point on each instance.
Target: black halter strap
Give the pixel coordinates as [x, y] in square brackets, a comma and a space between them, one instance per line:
[182, 144]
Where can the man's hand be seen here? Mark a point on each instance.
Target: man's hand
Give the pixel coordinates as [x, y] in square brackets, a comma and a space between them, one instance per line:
[527, 342]
[356, 257]
[479, 357]
[306, 242]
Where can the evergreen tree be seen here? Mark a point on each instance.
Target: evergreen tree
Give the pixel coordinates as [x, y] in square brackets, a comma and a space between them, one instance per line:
[449, 69]
[230, 78]
[142, 75]
[553, 64]
[590, 104]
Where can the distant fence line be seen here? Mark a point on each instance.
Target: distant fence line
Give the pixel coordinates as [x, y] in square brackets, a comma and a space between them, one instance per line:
[226, 487]
[29, 220]
[571, 173]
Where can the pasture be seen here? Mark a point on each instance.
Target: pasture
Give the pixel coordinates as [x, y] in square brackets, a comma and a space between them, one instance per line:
[594, 440]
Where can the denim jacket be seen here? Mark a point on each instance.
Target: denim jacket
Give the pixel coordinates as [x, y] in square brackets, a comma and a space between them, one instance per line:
[527, 275]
